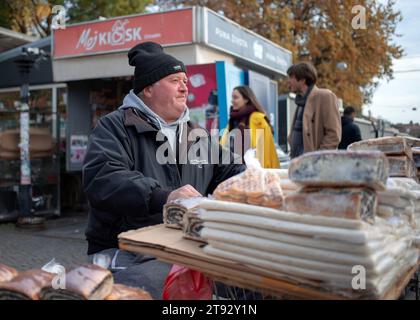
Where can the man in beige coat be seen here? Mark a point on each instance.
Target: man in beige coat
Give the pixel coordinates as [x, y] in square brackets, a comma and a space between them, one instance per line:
[316, 123]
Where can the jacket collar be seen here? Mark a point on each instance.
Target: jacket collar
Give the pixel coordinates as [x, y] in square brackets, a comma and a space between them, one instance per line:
[313, 91]
[142, 124]
[346, 120]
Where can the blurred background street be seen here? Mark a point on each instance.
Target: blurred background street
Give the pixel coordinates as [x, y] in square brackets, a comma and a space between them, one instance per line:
[62, 239]
[64, 66]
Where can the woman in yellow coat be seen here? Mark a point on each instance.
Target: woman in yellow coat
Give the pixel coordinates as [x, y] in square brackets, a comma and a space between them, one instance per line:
[253, 129]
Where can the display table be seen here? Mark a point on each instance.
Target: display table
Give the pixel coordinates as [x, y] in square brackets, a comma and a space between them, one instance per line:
[169, 246]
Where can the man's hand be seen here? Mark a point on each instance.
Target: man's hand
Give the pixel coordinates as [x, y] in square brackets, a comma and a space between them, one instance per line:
[186, 191]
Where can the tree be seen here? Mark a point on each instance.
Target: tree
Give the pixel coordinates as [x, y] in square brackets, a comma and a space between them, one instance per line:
[31, 17]
[321, 32]
[34, 17]
[84, 10]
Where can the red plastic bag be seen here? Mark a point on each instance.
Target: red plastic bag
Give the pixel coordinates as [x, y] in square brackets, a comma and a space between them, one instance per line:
[186, 284]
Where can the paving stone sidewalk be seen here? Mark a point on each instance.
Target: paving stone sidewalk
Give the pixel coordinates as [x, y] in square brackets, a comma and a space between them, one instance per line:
[63, 239]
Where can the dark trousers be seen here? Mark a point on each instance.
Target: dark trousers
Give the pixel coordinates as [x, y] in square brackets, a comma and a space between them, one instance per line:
[136, 270]
[145, 272]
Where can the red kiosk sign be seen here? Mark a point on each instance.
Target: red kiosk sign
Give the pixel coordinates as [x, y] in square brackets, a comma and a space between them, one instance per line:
[121, 34]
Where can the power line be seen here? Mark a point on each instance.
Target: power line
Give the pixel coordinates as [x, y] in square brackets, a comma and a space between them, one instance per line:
[400, 107]
[411, 56]
[406, 71]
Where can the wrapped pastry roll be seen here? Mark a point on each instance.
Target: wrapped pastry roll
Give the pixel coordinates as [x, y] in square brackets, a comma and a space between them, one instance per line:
[340, 169]
[7, 273]
[406, 183]
[122, 292]
[288, 185]
[401, 166]
[192, 226]
[348, 203]
[413, 142]
[249, 184]
[385, 211]
[26, 285]
[388, 145]
[416, 156]
[256, 186]
[173, 212]
[87, 282]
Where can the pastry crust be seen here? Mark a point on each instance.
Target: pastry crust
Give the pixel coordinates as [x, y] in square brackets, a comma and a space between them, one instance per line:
[86, 282]
[26, 285]
[174, 212]
[337, 169]
[348, 203]
[122, 292]
[7, 273]
[388, 145]
[255, 186]
[401, 166]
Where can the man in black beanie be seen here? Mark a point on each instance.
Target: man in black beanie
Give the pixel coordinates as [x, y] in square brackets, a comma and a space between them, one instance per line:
[124, 177]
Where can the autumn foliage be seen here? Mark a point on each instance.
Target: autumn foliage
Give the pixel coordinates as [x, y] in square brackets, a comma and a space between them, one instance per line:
[321, 31]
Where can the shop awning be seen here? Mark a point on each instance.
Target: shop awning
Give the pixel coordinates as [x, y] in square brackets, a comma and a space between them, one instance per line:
[9, 77]
[10, 39]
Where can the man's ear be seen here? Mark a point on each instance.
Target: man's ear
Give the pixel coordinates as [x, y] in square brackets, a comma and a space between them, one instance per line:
[147, 92]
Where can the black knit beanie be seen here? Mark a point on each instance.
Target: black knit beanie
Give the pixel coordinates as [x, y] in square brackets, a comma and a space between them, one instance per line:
[152, 64]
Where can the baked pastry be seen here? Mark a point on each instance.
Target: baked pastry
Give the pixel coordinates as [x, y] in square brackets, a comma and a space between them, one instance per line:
[87, 282]
[173, 212]
[122, 292]
[7, 273]
[26, 285]
[255, 186]
[337, 169]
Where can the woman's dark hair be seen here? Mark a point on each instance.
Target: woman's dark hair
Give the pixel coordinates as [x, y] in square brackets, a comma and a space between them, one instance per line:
[247, 93]
[303, 70]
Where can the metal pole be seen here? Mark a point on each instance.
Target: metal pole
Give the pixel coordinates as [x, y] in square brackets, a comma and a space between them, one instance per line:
[25, 188]
[29, 58]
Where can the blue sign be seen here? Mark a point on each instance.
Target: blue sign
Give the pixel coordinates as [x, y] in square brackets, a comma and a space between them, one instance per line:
[228, 77]
[229, 37]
